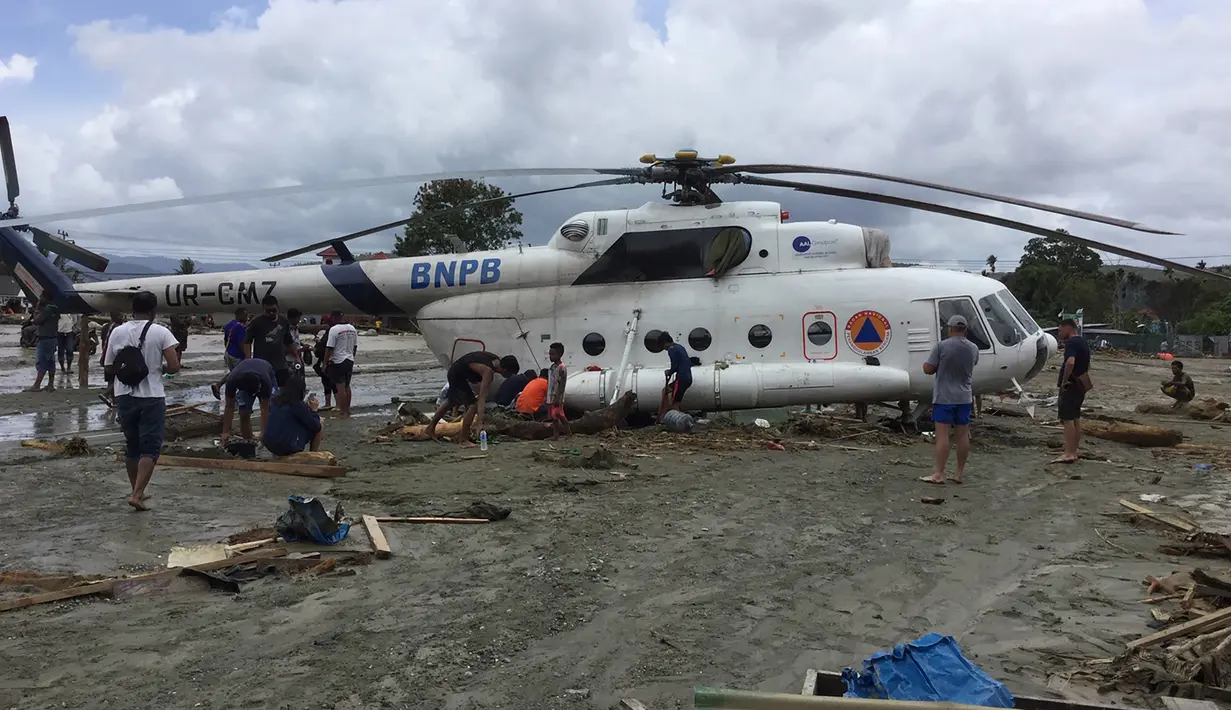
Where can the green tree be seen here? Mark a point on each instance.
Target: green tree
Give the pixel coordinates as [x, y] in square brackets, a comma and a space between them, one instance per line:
[187, 266]
[1056, 276]
[1212, 320]
[1051, 251]
[490, 225]
[991, 263]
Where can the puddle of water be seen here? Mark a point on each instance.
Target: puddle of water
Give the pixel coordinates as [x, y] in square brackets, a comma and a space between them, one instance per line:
[371, 391]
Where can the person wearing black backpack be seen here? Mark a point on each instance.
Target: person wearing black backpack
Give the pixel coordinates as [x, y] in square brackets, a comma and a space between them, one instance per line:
[139, 353]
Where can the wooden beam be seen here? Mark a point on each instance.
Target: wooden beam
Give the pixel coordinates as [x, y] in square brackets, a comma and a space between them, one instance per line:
[379, 544]
[631, 704]
[425, 520]
[1181, 525]
[106, 586]
[286, 469]
[1204, 624]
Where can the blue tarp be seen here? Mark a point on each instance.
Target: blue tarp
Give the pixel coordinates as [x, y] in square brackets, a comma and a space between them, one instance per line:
[930, 669]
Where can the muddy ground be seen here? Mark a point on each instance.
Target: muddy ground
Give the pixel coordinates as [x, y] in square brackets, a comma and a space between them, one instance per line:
[703, 560]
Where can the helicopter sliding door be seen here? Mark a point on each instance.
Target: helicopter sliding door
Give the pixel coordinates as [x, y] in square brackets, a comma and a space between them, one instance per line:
[502, 336]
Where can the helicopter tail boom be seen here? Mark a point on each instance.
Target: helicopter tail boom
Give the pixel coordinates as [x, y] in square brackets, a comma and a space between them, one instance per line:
[37, 275]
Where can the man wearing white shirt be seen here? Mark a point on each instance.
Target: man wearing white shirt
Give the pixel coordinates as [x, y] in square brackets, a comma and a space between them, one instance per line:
[141, 408]
[340, 347]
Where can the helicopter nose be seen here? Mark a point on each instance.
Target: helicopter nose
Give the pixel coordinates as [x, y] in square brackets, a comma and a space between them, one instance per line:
[1052, 346]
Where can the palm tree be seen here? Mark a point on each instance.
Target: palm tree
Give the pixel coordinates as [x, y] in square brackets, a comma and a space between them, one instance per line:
[991, 263]
[187, 266]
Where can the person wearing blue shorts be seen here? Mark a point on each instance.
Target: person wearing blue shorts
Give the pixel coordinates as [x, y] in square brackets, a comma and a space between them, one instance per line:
[252, 381]
[952, 361]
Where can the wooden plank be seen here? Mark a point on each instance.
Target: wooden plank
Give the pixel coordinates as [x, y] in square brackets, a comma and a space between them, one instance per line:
[425, 520]
[1181, 525]
[634, 704]
[379, 544]
[1188, 704]
[1204, 624]
[51, 446]
[286, 469]
[83, 353]
[105, 586]
[809, 682]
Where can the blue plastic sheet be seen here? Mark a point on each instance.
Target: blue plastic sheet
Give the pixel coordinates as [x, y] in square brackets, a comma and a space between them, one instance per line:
[930, 669]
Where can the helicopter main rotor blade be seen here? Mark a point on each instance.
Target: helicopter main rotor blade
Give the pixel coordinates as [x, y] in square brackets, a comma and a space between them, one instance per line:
[432, 215]
[296, 190]
[980, 217]
[820, 170]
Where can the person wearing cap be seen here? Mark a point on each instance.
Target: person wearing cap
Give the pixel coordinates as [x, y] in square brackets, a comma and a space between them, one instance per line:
[952, 362]
[252, 380]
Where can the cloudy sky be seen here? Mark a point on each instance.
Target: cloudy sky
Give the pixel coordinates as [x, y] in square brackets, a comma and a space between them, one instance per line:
[1116, 106]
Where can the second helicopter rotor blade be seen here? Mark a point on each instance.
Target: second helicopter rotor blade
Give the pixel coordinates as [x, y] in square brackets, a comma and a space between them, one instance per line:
[296, 190]
[432, 215]
[770, 169]
[980, 217]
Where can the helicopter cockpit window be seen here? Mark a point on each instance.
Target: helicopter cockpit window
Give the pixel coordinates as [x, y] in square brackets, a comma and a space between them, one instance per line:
[1005, 329]
[975, 332]
[669, 255]
[1016, 308]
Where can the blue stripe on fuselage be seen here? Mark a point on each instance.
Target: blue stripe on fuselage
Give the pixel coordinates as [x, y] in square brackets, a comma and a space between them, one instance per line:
[352, 282]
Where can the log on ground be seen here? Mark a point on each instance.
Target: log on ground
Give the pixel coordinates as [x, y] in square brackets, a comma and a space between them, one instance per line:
[594, 422]
[1134, 434]
[1206, 409]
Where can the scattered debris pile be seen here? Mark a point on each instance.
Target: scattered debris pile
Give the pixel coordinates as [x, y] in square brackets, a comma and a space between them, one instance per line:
[73, 446]
[1206, 409]
[594, 422]
[189, 422]
[1190, 656]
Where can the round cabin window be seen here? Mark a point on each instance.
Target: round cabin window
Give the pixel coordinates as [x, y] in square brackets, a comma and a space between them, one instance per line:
[763, 253]
[759, 336]
[819, 333]
[651, 341]
[594, 344]
[699, 339]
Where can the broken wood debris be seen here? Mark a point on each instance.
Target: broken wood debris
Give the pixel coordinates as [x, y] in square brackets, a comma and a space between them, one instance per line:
[1134, 434]
[232, 464]
[73, 446]
[377, 536]
[107, 585]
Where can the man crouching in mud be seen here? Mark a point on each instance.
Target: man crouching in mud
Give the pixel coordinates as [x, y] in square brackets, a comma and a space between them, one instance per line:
[469, 369]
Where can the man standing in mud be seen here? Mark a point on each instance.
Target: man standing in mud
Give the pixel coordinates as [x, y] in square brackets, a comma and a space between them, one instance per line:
[141, 404]
[952, 361]
[1073, 383]
[47, 320]
[269, 338]
[479, 368]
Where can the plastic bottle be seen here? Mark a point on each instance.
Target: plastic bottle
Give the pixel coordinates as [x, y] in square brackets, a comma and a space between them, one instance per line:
[678, 421]
[483, 440]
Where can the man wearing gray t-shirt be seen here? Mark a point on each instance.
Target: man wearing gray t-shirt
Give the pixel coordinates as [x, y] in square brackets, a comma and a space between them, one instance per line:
[952, 361]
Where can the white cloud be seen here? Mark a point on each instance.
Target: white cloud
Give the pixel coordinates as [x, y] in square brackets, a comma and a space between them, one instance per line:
[18, 68]
[1094, 104]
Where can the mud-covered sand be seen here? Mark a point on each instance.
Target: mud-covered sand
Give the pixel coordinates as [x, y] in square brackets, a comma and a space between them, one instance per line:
[718, 564]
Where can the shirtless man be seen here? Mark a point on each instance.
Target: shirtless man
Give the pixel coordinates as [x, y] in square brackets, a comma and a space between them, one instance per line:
[470, 369]
[1180, 387]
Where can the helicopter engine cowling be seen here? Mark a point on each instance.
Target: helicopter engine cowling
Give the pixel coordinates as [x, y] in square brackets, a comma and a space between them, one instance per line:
[820, 246]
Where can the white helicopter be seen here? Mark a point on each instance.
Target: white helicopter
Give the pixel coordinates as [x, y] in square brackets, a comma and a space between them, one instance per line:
[777, 312]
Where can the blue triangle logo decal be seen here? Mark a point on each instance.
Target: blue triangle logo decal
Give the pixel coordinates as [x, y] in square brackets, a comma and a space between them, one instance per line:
[867, 333]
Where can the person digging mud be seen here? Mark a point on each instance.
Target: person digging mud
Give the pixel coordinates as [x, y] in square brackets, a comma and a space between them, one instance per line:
[1180, 387]
[251, 380]
[470, 369]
